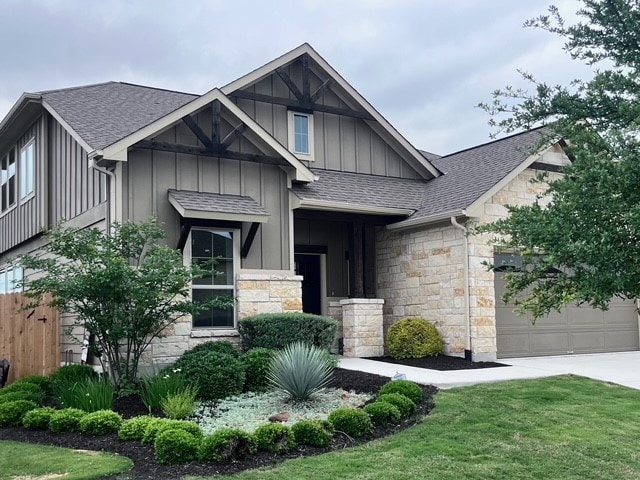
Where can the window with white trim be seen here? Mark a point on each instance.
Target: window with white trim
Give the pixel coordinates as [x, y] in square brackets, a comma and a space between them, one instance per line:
[8, 181]
[217, 251]
[301, 134]
[27, 173]
[10, 280]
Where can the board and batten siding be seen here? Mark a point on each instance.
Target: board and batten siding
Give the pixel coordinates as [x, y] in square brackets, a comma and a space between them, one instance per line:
[340, 143]
[74, 187]
[148, 175]
[29, 216]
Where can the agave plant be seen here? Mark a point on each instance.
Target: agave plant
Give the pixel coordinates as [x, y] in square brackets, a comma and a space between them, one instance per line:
[300, 370]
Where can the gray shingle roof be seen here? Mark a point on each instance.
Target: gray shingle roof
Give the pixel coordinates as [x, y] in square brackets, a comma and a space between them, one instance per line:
[104, 113]
[216, 202]
[362, 190]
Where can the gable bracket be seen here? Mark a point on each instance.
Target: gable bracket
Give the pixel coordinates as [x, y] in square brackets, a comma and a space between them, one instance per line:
[306, 82]
[316, 95]
[195, 128]
[235, 133]
[246, 246]
[292, 86]
[215, 124]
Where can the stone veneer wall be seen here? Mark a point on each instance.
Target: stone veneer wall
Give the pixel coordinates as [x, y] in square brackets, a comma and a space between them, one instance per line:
[421, 273]
[362, 321]
[256, 292]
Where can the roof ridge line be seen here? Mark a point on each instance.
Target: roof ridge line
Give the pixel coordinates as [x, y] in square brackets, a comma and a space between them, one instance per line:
[77, 87]
[492, 141]
[159, 88]
[360, 174]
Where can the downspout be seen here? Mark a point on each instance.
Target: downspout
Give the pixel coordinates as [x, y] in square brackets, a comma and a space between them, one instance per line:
[467, 303]
[111, 182]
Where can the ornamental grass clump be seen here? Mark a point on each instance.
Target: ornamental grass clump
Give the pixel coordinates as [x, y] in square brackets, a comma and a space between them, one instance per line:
[155, 389]
[89, 395]
[300, 371]
[180, 405]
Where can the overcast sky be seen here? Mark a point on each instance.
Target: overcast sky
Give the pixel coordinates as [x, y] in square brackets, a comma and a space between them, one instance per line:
[423, 64]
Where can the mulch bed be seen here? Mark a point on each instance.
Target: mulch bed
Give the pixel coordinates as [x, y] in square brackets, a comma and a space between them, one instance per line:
[441, 362]
[145, 466]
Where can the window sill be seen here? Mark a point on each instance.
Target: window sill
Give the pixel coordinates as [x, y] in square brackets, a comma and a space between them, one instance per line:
[211, 332]
[27, 198]
[9, 210]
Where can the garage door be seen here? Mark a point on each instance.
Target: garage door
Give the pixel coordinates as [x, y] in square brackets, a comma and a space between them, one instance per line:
[574, 330]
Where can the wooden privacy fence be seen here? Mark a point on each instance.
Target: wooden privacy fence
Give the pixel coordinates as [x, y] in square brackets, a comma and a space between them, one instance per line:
[29, 339]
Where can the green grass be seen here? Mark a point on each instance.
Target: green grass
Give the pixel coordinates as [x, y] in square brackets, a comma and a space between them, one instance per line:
[27, 460]
[559, 428]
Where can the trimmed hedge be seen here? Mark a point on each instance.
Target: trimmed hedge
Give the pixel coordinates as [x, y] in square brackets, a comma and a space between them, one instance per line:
[175, 446]
[159, 425]
[133, 428]
[100, 422]
[12, 413]
[414, 338]
[404, 404]
[315, 433]
[409, 389]
[66, 420]
[274, 438]
[277, 330]
[38, 419]
[257, 362]
[383, 413]
[352, 421]
[225, 445]
[222, 346]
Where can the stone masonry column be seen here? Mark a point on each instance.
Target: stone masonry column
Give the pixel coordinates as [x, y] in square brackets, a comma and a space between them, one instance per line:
[362, 327]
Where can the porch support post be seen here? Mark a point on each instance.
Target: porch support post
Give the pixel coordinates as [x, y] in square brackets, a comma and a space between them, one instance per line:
[369, 247]
[356, 260]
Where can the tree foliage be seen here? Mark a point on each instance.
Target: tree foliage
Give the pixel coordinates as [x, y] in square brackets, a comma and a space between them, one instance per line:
[124, 287]
[581, 243]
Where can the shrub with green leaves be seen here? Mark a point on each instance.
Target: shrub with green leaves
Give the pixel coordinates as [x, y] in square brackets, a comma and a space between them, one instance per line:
[180, 405]
[414, 338]
[383, 413]
[221, 346]
[21, 395]
[40, 380]
[21, 387]
[300, 370]
[70, 374]
[352, 421]
[133, 428]
[38, 419]
[66, 420]
[174, 446]
[411, 390]
[90, 394]
[277, 330]
[225, 445]
[404, 404]
[216, 375]
[274, 438]
[256, 362]
[315, 433]
[101, 422]
[155, 389]
[161, 424]
[11, 413]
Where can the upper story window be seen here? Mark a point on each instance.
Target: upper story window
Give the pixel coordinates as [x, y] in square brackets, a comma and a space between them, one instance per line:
[219, 248]
[8, 181]
[10, 279]
[27, 169]
[301, 134]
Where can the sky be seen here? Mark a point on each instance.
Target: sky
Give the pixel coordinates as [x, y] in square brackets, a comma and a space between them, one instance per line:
[423, 64]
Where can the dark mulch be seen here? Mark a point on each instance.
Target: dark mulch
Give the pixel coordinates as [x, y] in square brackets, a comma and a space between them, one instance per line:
[145, 466]
[441, 362]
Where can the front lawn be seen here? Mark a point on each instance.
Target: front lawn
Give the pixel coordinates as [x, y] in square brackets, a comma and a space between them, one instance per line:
[23, 460]
[560, 428]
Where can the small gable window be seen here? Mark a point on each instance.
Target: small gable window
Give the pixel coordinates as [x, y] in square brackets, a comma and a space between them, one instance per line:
[8, 181]
[301, 134]
[27, 169]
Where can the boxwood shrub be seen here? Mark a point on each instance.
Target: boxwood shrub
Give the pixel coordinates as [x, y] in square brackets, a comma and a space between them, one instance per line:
[21, 387]
[274, 438]
[414, 338]
[225, 445]
[133, 428]
[405, 387]
[315, 433]
[21, 395]
[158, 425]
[256, 362]
[383, 413]
[66, 420]
[173, 446]
[404, 404]
[277, 330]
[100, 422]
[352, 421]
[38, 419]
[221, 346]
[11, 413]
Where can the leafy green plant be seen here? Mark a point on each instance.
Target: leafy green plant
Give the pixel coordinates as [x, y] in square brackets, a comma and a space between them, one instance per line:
[160, 424]
[21, 395]
[278, 330]
[352, 421]
[72, 374]
[38, 419]
[256, 362]
[101, 422]
[133, 428]
[21, 387]
[40, 380]
[66, 420]
[11, 413]
[220, 346]
[225, 445]
[155, 389]
[174, 446]
[383, 413]
[414, 338]
[180, 405]
[315, 433]
[216, 375]
[404, 404]
[89, 394]
[274, 438]
[405, 387]
[300, 370]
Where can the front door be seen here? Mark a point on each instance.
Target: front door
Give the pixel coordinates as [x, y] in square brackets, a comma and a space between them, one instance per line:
[308, 265]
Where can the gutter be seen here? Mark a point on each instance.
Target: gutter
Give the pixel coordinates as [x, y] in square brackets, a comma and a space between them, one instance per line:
[111, 186]
[467, 302]
[419, 222]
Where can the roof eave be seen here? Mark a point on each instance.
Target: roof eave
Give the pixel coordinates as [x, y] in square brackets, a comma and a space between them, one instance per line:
[425, 221]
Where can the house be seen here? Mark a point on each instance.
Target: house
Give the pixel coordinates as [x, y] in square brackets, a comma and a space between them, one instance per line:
[310, 198]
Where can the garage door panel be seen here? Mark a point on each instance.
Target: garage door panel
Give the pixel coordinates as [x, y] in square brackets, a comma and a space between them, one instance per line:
[574, 330]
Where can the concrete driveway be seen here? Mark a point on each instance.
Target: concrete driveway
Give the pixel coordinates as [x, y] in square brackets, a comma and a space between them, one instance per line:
[622, 368]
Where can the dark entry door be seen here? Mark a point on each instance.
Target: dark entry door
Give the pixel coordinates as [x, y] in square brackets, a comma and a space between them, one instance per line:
[308, 265]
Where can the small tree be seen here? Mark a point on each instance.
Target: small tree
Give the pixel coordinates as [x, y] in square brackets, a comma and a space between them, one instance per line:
[124, 287]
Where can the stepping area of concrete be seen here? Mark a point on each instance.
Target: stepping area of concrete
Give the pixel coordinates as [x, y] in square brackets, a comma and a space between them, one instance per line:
[621, 368]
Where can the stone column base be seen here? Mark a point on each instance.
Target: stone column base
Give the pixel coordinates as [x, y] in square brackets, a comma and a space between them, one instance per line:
[362, 327]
